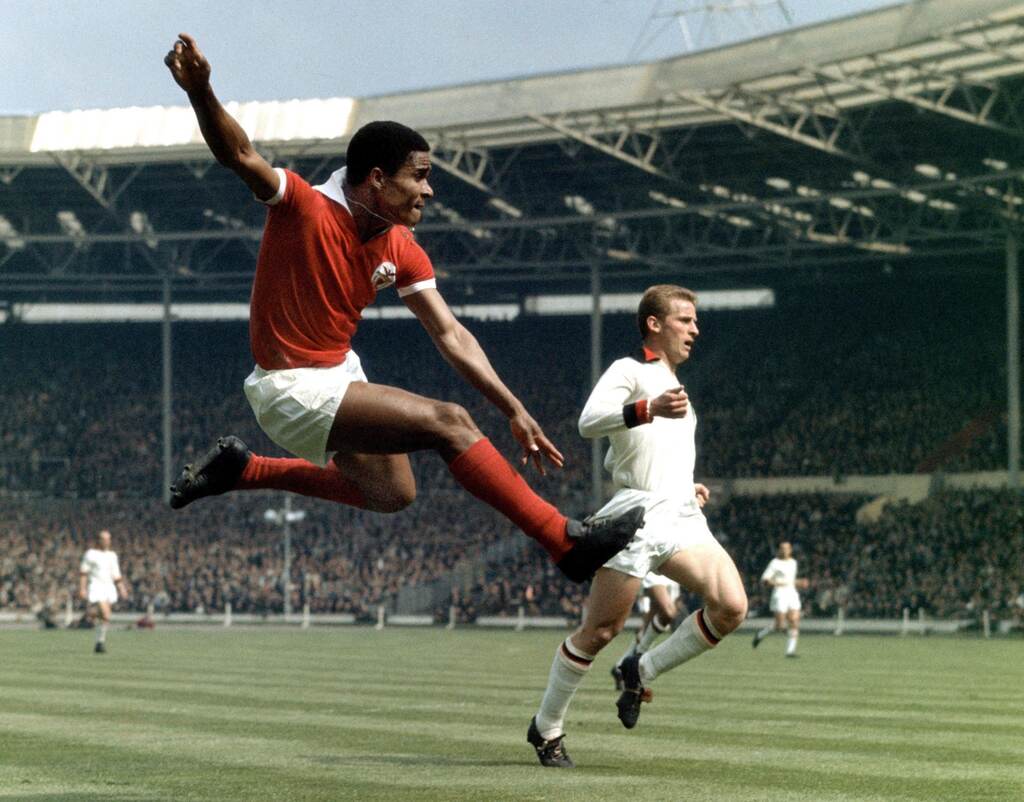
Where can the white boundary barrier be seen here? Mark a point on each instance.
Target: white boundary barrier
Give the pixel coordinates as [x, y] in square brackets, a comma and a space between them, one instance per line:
[838, 625]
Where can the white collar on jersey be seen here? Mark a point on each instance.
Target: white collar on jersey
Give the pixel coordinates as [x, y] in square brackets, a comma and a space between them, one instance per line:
[333, 188]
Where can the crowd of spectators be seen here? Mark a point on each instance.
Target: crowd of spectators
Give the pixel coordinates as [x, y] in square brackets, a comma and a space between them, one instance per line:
[951, 555]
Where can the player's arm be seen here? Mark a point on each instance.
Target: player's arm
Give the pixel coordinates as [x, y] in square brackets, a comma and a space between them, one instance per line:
[462, 351]
[227, 141]
[768, 577]
[609, 410]
[83, 585]
[703, 493]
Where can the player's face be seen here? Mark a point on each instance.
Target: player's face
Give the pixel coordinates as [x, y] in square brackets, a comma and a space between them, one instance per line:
[105, 540]
[785, 550]
[404, 194]
[678, 331]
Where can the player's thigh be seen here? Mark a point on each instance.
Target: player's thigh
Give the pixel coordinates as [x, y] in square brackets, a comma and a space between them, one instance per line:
[104, 608]
[780, 620]
[612, 594]
[662, 602]
[793, 616]
[707, 570]
[378, 419]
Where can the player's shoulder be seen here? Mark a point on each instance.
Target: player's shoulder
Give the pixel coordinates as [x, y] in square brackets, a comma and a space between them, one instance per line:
[631, 363]
[403, 240]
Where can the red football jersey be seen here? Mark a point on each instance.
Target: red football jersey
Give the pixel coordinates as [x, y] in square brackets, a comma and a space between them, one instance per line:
[314, 277]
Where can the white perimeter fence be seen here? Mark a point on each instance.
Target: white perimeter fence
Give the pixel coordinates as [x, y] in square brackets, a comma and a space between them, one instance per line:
[910, 624]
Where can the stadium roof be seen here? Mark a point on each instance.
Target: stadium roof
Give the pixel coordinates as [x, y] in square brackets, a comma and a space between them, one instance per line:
[892, 136]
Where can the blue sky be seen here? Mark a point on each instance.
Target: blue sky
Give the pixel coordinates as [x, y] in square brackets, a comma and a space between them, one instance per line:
[64, 54]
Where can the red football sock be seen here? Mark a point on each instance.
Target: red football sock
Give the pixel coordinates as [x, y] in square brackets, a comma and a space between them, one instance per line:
[302, 477]
[488, 476]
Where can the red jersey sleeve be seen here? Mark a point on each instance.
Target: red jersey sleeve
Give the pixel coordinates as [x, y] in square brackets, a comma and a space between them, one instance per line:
[293, 190]
[415, 272]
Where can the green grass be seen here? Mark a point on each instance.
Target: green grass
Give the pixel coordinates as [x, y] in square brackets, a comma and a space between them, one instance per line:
[354, 714]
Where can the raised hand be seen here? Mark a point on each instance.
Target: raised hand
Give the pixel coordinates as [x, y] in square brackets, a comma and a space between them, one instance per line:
[188, 66]
[672, 403]
[535, 443]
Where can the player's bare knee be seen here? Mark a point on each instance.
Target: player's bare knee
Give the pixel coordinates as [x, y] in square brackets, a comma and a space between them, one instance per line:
[728, 612]
[454, 426]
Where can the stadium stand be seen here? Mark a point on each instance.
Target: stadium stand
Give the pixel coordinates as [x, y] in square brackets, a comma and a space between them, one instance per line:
[810, 387]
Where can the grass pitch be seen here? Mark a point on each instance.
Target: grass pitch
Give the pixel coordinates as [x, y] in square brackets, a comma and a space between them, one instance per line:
[355, 714]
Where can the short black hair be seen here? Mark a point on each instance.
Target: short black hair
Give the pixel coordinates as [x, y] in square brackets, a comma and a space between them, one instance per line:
[382, 144]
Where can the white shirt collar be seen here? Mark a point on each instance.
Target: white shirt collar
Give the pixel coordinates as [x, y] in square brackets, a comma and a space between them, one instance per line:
[333, 188]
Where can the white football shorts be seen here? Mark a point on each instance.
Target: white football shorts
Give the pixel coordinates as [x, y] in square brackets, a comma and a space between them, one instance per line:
[784, 600]
[296, 407]
[669, 526]
[102, 592]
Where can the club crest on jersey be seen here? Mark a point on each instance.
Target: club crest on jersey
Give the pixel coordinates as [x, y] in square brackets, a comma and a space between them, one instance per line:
[384, 275]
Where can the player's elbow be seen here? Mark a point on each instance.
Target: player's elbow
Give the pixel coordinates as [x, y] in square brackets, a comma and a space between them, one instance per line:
[587, 428]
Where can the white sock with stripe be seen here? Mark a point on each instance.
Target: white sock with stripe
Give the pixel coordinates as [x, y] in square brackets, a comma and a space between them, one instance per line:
[791, 643]
[765, 632]
[568, 669]
[693, 637]
[101, 633]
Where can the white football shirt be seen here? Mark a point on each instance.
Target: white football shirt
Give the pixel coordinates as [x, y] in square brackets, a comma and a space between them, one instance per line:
[101, 566]
[657, 457]
[782, 573]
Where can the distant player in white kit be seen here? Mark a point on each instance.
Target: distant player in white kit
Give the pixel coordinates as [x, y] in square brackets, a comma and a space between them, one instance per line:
[99, 581]
[785, 605]
[645, 413]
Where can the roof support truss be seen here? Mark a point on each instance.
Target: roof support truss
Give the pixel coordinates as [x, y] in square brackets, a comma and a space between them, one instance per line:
[821, 126]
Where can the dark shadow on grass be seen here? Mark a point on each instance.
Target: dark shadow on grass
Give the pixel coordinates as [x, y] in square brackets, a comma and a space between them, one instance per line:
[404, 760]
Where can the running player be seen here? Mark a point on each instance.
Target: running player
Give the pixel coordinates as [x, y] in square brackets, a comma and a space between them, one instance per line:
[99, 580]
[785, 605]
[326, 252]
[641, 407]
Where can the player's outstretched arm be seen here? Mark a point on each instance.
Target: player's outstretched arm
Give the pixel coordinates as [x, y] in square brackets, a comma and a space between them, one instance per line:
[462, 351]
[227, 141]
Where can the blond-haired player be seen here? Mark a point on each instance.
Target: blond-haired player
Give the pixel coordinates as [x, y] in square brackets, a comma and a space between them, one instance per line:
[644, 411]
[785, 604]
[99, 580]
